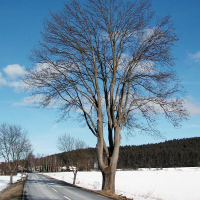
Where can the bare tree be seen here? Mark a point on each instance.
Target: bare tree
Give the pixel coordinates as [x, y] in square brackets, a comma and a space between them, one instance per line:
[111, 61]
[31, 162]
[25, 154]
[13, 145]
[67, 143]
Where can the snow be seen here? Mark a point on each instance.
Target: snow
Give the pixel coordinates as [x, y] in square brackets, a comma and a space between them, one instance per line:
[5, 180]
[144, 184]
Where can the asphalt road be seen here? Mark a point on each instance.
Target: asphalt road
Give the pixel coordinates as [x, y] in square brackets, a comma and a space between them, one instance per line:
[39, 187]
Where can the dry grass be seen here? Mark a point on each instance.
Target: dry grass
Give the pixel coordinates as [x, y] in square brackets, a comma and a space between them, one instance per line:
[113, 196]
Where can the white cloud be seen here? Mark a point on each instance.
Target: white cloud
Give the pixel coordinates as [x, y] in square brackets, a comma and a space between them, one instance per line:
[13, 71]
[11, 77]
[195, 57]
[2, 80]
[17, 85]
[36, 99]
[192, 106]
[30, 100]
[42, 67]
[48, 68]
[148, 33]
[146, 68]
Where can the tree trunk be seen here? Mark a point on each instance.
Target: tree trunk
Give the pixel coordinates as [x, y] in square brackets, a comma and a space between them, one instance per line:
[109, 172]
[22, 172]
[75, 173]
[108, 179]
[11, 177]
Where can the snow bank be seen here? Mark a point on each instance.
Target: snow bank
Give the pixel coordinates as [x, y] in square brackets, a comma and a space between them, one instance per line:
[143, 184]
[5, 180]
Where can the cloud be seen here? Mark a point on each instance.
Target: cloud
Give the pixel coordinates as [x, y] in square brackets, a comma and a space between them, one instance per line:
[42, 67]
[30, 100]
[11, 77]
[147, 67]
[195, 57]
[14, 71]
[2, 80]
[17, 85]
[148, 33]
[37, 99]
[192, 106]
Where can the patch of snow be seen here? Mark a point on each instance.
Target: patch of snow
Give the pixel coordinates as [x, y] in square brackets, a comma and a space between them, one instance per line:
[5, 180]
[144, 184]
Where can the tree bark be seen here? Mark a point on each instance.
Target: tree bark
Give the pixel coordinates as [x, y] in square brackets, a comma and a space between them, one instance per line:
[108, 179]
[75, 173]
[11, 177]
[22, 172]
[109, 172]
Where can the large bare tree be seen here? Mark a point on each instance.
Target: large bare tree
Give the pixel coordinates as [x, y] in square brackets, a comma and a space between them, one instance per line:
[13, 145]
[111, 62]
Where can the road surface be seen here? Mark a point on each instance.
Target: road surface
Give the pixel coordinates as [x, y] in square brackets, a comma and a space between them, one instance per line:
[39, 187]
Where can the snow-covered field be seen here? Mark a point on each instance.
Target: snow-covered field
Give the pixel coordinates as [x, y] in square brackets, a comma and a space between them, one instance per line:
[4, 180]
[145, 184]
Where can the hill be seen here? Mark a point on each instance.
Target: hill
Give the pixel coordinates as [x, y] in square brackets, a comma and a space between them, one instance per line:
[173, 153]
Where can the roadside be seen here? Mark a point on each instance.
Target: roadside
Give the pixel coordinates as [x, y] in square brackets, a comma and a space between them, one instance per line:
[103, 193]
[13, 191]
[113, 196]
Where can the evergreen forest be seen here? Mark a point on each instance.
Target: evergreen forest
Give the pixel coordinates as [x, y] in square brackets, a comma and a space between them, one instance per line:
[173, 153]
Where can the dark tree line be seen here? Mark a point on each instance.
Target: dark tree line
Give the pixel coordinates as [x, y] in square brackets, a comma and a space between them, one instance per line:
[86, 158]
[83, 159]
[174, 153]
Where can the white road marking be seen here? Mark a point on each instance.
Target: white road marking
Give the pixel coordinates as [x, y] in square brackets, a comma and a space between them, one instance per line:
[55, 190]
[67, 198]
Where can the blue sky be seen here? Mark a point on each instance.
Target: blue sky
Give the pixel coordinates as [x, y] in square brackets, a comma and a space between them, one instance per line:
[20, 25]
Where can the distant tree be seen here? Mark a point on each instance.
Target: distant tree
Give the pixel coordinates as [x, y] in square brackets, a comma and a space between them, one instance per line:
[48, 164]
[31, 162]
[13, 145]
[71, 146]
[24, 156]
[112, 62]
[3, 168]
